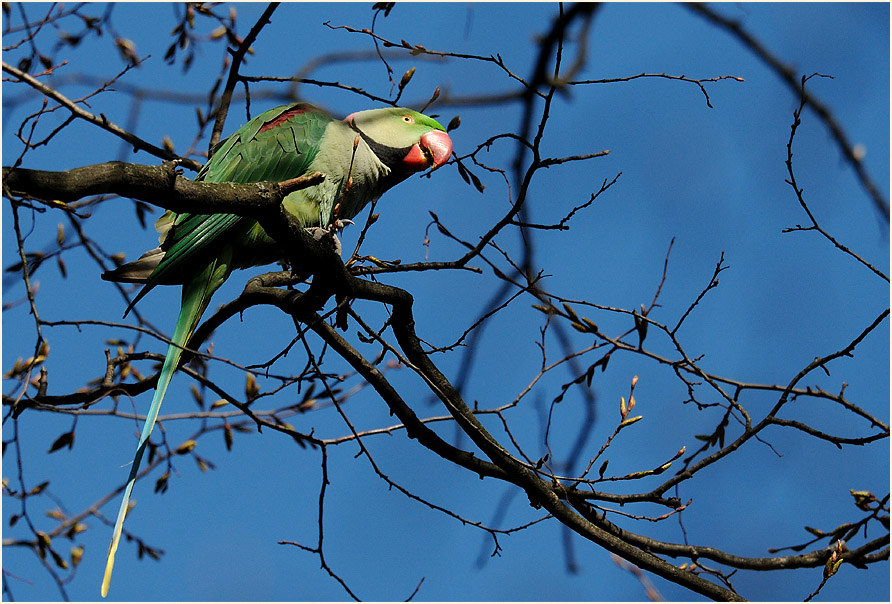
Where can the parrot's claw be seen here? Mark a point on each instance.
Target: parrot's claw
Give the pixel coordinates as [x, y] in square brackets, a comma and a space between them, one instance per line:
[339, 225]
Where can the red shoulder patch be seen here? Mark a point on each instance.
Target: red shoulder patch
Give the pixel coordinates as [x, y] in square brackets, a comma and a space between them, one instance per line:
[284, 117]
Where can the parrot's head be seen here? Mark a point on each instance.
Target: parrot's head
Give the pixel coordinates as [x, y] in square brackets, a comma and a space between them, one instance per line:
[404, 140]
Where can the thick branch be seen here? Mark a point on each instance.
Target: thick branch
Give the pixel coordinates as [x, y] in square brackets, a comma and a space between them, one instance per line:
[158, 185]
[540, 492]
[694, 552]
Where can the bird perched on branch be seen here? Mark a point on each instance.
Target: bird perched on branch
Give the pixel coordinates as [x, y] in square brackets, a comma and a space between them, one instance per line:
[360, 157]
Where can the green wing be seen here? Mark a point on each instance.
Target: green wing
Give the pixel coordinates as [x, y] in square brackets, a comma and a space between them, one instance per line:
[276, 145]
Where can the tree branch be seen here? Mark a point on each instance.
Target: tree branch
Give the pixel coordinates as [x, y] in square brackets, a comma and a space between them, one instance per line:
[158, 185]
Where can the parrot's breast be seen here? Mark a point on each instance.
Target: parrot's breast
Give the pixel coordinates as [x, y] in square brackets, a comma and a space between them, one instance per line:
[354, 177]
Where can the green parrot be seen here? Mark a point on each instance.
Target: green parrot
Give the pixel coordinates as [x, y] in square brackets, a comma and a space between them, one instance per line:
[361, 157]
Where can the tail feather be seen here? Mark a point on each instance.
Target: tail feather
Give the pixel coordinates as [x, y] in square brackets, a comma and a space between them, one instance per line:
[196, 295]
[138, 270]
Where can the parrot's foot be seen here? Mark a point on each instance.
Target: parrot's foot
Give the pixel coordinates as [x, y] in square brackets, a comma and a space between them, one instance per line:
[330, 233]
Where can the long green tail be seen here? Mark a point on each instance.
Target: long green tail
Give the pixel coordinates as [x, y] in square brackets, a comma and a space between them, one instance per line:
[196, 295]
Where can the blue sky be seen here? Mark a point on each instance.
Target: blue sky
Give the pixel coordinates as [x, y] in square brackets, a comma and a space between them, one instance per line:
[711, 178]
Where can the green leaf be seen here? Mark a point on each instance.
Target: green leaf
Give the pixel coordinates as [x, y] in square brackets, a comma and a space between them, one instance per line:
[77, 552]
[477, 184]
[65, 440]
[161, 483]
[571, 312]
[186, 447]
[59, 560]
[579, 327]
[640, 325]
[407, 77]
[39, 488]
[196, 394]
[630, 420]
[383, 6]
[227, 436]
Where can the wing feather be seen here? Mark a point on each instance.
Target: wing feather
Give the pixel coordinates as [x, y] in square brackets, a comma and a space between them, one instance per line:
[276, 145]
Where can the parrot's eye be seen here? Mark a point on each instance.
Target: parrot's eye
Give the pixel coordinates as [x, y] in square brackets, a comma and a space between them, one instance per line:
[408, 119]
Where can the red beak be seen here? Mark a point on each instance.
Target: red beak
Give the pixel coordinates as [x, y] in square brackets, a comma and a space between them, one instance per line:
[434, 149]
[438, 144]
